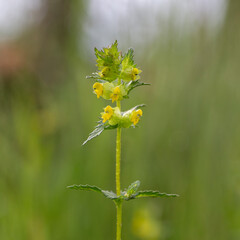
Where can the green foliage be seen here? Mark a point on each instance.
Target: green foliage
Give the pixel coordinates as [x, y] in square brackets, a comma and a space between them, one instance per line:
[153, 194]
[133, 84]
[130, 193]
[98, 130]
[133, 193]
[86, 187]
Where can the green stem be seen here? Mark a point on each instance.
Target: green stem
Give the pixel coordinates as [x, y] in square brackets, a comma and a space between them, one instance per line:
[118, 184]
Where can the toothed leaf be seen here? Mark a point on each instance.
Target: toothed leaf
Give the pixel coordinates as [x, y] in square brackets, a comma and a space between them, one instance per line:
[153, 194]
[86, 187]
[128, 59]
[98, 130]
[110, 194]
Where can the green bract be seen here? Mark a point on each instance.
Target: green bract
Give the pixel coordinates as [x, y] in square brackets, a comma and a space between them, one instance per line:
[108, 62]
[115, 70]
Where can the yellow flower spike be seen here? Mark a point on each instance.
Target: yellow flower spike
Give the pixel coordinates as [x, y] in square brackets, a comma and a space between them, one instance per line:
[136, 116]
[116, 94]
[135, 73]
[98, 89]
[108, 112]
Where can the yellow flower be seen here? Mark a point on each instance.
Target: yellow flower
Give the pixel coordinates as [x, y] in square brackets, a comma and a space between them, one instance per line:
[108, 112]
[98, 89]
[135, 73]
[104, 72]
[116, 94]
[136, 116]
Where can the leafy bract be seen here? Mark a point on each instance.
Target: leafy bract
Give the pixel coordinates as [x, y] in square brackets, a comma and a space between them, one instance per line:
[129, 71]
[133, 84]
[98, 130]
[108, 62]
[128, 61]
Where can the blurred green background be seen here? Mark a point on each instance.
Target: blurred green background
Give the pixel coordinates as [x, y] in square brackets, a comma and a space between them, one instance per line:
[188, 141]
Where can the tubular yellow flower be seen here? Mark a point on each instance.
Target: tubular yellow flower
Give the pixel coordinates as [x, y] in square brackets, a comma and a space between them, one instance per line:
[98, 89]
[104, 72]
[136, 116]
[135, 73]
[108, 112]
[116, 94]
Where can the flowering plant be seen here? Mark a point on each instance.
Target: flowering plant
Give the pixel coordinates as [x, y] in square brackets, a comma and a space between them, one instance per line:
[116, 77]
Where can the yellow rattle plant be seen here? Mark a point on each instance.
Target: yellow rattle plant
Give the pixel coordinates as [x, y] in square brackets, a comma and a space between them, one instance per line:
[116, 77]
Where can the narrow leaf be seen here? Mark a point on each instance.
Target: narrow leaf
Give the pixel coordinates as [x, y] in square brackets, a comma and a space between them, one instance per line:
[85, 187]
[135, 84]
[108, 194]
[153, 194]
[96, 132]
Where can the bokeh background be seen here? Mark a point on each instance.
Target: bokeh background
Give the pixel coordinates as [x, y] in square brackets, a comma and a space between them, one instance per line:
[188, 141]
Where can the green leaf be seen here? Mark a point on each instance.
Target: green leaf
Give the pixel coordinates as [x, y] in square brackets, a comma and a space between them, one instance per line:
[133, 193]
[132, 189]
[153, 194]
[98, 130]
[86, 187]
[110, 194]
[133, 84]
[95, 77]
[138, 106]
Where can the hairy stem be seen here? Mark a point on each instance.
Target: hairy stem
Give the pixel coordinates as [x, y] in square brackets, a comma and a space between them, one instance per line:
[118, 183]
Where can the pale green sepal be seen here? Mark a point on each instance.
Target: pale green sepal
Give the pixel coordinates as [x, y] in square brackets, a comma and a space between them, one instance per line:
[107, 90]
[116, 117]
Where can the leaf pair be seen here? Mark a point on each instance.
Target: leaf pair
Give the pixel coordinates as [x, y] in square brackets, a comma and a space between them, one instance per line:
[130, 193]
